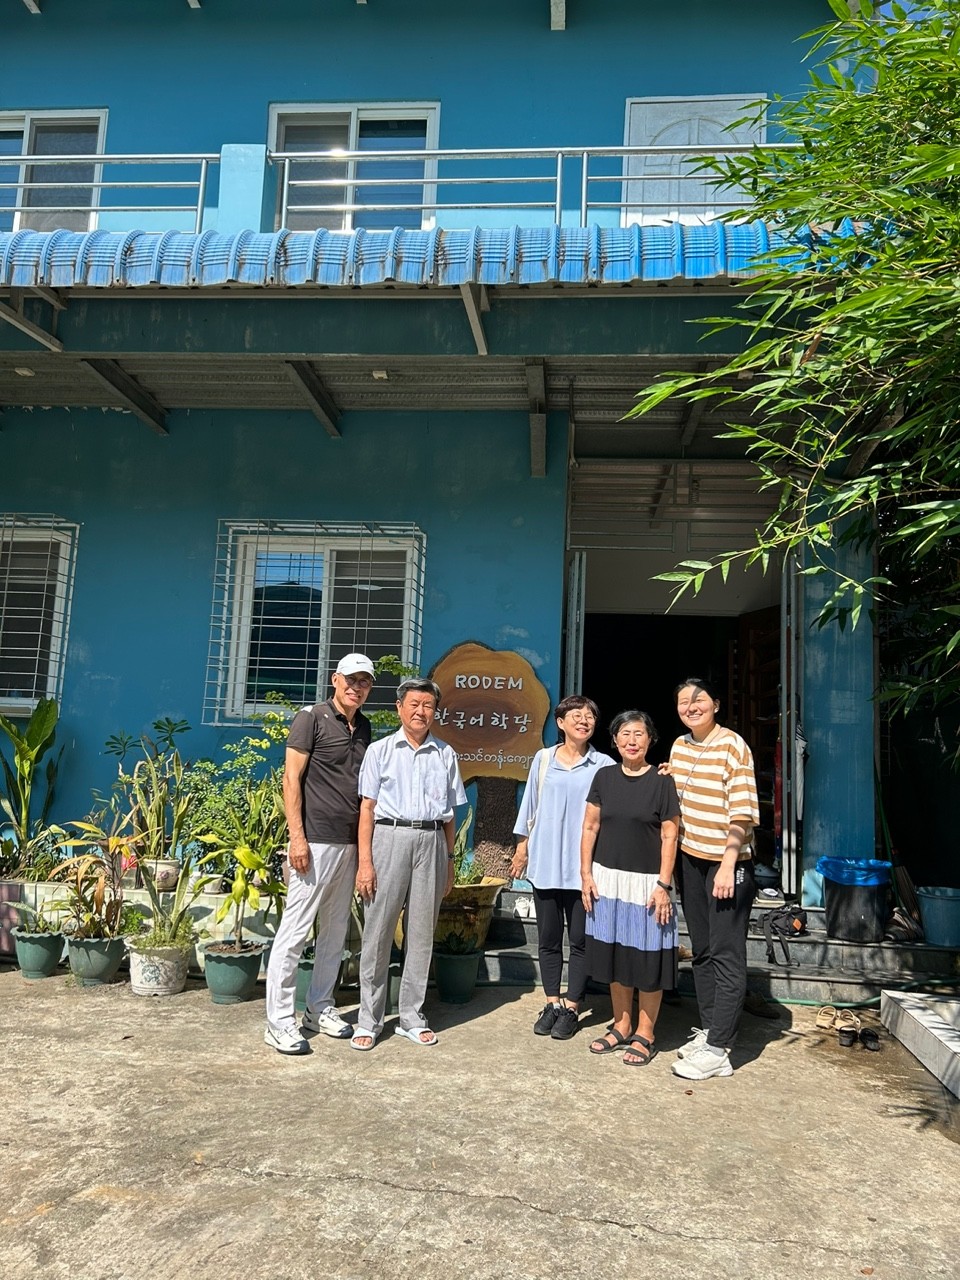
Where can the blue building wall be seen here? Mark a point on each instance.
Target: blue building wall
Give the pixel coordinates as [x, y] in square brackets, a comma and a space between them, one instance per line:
[148, 510]
[176, 79]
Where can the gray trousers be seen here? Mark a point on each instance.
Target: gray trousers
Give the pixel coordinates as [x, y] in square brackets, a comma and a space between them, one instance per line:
[411, 871]
[323, 893]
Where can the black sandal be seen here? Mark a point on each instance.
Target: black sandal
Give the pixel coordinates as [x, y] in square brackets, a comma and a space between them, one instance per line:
[618, 1043]
[643, 1060]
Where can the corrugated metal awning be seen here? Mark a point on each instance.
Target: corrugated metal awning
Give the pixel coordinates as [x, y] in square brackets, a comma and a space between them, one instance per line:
[508, 256]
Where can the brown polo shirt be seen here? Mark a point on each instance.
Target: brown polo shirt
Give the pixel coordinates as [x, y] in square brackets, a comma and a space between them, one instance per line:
[331, 803]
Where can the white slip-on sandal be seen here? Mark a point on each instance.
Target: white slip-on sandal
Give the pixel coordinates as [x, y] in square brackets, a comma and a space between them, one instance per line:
[413, 1034]
[361, 1034]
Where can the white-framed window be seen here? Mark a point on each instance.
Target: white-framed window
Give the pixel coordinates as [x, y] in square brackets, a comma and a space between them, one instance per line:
[47, 197]
[353, 192]
[292, 597]
[666, 187]
[37, 558]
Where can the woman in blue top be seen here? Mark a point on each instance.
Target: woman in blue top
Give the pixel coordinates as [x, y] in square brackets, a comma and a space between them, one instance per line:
[548, 855]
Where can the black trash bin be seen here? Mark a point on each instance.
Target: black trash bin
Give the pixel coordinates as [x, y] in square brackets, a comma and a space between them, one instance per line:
[856, 896]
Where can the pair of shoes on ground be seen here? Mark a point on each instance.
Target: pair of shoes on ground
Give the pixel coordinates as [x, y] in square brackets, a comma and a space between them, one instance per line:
[290, 1039]
[612, 1042]
[557, 1021]
[413, 1034]
[848, 1028]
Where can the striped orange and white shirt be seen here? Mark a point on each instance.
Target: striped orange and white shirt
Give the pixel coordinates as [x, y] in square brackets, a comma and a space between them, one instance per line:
[717, 786]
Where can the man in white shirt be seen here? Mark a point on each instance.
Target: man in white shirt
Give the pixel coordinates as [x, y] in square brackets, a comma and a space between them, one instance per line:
[409, 787]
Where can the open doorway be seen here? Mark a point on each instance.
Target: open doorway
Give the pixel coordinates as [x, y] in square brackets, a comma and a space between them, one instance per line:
[636, 660]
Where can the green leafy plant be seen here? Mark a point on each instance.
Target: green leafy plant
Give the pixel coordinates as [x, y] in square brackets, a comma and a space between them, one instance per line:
[32, 851]
[170, 923]
[466, 870]
[384, 722]
[93, 897]
[248, 835]
[44, 918]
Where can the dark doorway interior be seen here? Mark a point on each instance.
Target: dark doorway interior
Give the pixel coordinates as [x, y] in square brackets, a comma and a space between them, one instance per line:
[636, 660]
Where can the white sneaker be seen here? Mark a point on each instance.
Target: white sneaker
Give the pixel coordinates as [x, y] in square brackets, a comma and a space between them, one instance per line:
[524, 909]
[328, 1021]
[285, 1040]
[702, 1063]
[696, 1040]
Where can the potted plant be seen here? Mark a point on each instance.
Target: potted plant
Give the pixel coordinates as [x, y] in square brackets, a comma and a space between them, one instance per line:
[39, 944]
[467, 910]
[251, 830]
[160, 956]
[97, 918]
[32, 851]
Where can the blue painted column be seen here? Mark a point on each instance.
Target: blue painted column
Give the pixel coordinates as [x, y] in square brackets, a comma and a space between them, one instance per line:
[838, 720]
[247, 189]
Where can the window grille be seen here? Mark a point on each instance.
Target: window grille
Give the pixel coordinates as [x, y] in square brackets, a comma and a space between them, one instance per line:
[292, 597]
[37, 556]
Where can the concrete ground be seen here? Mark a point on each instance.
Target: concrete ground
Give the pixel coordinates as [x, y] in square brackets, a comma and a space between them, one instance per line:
[148, 1139]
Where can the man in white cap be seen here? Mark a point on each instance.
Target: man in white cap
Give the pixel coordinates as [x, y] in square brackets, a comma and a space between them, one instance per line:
[325, 748]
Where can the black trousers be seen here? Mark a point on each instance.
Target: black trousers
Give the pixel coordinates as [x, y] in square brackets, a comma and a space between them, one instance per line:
[556, 908]
[718, 936]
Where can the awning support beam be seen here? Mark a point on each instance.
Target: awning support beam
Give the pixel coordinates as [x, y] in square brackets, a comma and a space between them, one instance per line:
[303, 375]
[558, 15]
[131, 394]
[476, 301]
[19, 321]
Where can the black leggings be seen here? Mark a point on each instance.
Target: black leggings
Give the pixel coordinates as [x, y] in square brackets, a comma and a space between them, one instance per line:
[556, 907]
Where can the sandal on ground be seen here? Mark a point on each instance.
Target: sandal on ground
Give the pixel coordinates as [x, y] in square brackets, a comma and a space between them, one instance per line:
[640, 1059]
[606, 1047]
[870, 1039]
[846, 1018]
[826, 1018]
[361, 1034]
[413, 1034]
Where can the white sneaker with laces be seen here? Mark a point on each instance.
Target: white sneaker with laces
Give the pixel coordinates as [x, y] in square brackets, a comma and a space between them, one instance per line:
[328, 1021]
[285, 1039]
[702, 1064]
[696, 1040]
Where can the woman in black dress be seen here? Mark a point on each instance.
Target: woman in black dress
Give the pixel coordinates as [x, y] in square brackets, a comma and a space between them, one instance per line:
[627, 854]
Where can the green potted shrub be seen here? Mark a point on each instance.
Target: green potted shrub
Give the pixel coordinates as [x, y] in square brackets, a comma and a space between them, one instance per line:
[31, 851]
[251, 830]
[39, 943]
[97, 918]
[160, 956]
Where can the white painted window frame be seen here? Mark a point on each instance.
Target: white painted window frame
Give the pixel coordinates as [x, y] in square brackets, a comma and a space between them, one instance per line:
[243, 584]
[358, 111]
[65, 535]
[26, 120]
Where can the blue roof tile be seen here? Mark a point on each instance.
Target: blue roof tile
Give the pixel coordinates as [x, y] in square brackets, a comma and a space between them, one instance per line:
[498, 256]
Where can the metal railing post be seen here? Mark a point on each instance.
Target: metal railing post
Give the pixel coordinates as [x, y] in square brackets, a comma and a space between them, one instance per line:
[584, 180]
[201, 197]
[558, 206]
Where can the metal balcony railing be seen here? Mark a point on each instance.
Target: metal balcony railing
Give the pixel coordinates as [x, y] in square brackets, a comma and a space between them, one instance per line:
[375, 190]
[567, 186]
[114, 192]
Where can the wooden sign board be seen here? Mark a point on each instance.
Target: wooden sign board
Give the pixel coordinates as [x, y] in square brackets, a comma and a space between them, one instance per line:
[492, 711]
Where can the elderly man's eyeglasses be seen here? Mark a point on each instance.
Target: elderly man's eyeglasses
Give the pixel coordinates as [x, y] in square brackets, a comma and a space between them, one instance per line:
[359, 682]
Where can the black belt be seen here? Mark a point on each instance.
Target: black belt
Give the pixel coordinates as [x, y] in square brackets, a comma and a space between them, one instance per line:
[421, 824]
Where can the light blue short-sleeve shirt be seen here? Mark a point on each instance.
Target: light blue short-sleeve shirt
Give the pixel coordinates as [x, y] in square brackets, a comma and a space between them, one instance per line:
[554, 843]
[419, 783]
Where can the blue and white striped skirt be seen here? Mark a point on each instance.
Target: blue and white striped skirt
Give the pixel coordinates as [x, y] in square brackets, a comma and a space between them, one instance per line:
[624, 942]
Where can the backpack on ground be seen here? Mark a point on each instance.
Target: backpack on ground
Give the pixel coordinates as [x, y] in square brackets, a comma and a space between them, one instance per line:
[781, 924]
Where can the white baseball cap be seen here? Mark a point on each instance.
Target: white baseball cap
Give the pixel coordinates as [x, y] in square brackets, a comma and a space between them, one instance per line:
[353, 664]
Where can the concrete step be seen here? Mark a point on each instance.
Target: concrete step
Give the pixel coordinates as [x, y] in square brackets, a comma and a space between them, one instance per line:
[823, 970]
[929, 1026]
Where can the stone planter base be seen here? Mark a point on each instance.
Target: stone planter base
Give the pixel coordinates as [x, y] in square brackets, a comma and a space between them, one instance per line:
[94, 961]
[157, 971]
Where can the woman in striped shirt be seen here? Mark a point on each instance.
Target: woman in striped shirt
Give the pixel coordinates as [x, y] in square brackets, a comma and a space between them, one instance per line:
[713, 771]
